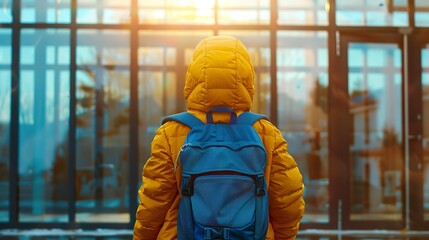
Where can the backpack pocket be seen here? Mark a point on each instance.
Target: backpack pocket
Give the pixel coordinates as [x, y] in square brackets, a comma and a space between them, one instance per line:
[224, 200]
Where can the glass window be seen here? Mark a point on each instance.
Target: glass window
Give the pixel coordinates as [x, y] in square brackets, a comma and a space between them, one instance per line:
[258, 44]
[6, 11]
[163, 57]
[422, 13]
[302, 83]
[45, 11]
[243, 12]
[107, 11]
[102, 132]
[176, 12]
[5, 110]
[43, 126]
[374, 87]
[157, 56]
[372, 13]
[425, 140]
[304, 12]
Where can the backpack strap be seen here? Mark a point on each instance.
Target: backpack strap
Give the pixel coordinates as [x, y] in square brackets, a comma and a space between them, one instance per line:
[260, 214]
[184, 118]
[221, 109]
[249, 118]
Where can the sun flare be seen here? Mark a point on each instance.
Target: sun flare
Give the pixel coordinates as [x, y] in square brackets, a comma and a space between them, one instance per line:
[204, 7]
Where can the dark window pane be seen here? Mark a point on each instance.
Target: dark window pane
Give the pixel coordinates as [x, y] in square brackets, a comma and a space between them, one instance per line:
[102, 134]
[43, 130]
[302, 83]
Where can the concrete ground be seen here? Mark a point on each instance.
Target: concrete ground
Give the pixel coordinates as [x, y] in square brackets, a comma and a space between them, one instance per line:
[114, 234]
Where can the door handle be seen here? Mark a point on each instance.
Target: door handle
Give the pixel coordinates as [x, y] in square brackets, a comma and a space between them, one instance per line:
[413, 137]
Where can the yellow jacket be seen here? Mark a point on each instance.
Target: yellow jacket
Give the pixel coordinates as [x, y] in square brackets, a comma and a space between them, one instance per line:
[220, 73]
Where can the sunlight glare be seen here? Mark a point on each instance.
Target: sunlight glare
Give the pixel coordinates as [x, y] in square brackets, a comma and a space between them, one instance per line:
[327, 7]
[204, 7]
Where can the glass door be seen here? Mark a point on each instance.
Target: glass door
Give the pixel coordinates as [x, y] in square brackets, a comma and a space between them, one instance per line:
[372, 142]
[419, 130]
[424, 53]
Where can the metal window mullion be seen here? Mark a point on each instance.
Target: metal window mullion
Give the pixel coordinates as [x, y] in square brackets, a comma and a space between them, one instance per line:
[99, 128]
[164, 98]
[273, 61]
[406, 134]
[335, 198]
[72, 121]
[133, 133]
[180, 71]
[411, 13]
[14, 122]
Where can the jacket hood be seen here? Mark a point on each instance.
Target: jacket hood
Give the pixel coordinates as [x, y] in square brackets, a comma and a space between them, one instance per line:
[220, 73]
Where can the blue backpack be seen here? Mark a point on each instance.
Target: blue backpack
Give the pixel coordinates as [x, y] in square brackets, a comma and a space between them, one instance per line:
[223, 190]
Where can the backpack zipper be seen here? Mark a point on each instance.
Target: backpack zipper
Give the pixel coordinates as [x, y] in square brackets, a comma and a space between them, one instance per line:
[176, 162]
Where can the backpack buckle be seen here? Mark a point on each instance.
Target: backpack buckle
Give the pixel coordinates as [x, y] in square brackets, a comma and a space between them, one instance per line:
[216, 233]
[260, 185]
[186, 186]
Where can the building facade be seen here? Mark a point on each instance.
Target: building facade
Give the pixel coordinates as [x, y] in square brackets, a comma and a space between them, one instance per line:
[84, 85]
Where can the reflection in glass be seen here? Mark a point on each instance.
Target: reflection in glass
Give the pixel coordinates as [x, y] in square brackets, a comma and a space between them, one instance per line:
[43, 125]
[425, 119]
[5, 107]
[163, 57]
[422, 13]
[258, 44]
[107, 11]
[302, 83]
[102, 134]
[176, 12]
[375, 97]
[45, 11]
[304, 12]
[233, 12]
[157, 98]
[6, 11]
[371, 13]
[157, 56]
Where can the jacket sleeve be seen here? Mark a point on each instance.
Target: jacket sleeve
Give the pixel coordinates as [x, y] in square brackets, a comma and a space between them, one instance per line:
[286, 188]
[158, 190]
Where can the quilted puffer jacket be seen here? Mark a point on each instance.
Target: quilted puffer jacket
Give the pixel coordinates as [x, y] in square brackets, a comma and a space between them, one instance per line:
[220, 73]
